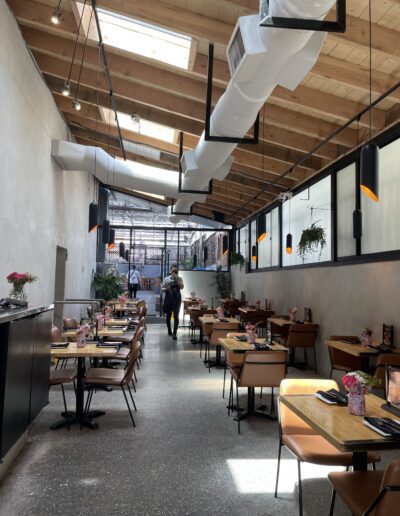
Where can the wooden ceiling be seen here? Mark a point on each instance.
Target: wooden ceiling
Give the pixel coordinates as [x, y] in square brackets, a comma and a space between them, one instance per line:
[294, 121]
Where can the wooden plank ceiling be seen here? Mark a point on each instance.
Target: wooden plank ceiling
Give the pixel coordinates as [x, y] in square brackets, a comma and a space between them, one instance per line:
[292, 122]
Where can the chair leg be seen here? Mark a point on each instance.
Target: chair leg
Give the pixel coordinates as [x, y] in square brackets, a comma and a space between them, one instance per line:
[237, 403]
[230, 402]
[272, 411]
[261, 391]
[315, 360]
[300, 489]
[278, 468]
[330, 376]
[332, 507]
[127, 404]
[133, 401]
[65, 406]
[133, 385]
[223, 388]
[134, 374]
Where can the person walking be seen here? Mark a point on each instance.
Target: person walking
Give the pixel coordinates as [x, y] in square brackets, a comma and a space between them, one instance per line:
[172, 286]
[134, 282]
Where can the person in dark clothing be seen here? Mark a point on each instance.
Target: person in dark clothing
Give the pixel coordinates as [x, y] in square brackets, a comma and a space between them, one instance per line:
[172, 286]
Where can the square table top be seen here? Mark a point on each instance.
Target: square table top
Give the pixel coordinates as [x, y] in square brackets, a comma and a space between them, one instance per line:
[236, 346]
[251, 310]
[113, 332]
[89, 351]
[127, 307]
[334, 422]
[232, 301]
[209, 319]
[117, 322]
[279, 321]
[357, 350]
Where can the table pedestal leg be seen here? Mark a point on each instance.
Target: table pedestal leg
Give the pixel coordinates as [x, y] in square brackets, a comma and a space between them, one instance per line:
[360, 461]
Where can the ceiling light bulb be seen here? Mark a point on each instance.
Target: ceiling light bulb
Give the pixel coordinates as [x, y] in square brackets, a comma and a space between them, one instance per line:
[66, 89]
[76, 105]
[56, 18]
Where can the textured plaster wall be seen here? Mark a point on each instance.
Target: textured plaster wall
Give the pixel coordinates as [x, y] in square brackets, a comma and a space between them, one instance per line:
[343, 299]
[40, 205]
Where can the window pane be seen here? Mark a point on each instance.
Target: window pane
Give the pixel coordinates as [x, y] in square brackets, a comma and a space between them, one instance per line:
[346, 201]
[275, 237]
[310, 206]
[244, 248]
[381, 229]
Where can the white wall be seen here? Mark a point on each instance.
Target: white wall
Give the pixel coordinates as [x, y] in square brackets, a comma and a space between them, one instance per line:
[343, 299]
[203, 283]
[40, 205]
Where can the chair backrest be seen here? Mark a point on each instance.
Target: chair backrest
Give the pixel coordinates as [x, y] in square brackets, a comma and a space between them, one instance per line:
[382, 361]
[390, 502]
[263, 369]
[70, 323]
[55, 334]
[133, 355]
[302, 335]
[340, 358]
[289, 422]
[89, 310]
[221, 330]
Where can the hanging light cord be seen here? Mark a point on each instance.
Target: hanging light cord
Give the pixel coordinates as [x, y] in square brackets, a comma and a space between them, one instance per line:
[76, 41]
[370, 68]
[83, 56]
[58, 6]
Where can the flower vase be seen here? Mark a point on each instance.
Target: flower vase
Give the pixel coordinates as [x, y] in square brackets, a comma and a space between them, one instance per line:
[18, 293]
[81, 342]
[357, 404]
[251, 337]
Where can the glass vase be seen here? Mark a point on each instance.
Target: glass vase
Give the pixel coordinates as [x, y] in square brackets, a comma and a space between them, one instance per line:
[357, 404]
[18, 293]
[81, 342]
[251, 337]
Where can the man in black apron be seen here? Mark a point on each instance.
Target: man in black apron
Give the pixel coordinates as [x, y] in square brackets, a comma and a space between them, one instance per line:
[172, 286]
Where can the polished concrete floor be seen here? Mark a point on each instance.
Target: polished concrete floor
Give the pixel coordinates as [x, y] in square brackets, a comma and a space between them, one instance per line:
[184, 457]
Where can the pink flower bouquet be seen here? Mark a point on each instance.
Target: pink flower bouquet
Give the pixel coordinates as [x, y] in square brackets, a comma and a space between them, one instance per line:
[358, 385]
[100, 320]
[122, 300]
[251, 334]
[82, 334]
[220, 311]
[107, 312]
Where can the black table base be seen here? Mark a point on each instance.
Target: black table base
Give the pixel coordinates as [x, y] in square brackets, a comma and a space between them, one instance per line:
[251, 409]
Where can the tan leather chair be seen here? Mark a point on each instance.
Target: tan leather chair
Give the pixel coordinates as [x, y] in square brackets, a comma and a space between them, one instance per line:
[342, 361]
[302, 440]
[115, 377]
[218, 331]
[70, 323]
[368, 492]
[384, 360]
[259, 369]
[302, 336]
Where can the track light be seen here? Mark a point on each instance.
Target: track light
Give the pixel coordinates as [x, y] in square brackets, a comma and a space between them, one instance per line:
[289, 244]
[369, 168]
[225, 244]
[111, 242]
[76, 105]
[122, 250]
[261, 227]
[93, 214]
[105, 232]
[66, 89]
[254, 253]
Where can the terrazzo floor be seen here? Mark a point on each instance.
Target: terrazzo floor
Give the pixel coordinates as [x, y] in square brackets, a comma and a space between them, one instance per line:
[183, 458]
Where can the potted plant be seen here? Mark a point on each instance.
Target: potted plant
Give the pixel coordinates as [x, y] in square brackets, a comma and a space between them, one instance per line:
[108, 286]
[238, 259]
[223, 282]
[312, 239]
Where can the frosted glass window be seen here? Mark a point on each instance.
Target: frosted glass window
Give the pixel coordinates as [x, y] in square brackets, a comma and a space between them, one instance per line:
[381, 228]
[310, 205]
[275, 233]
[346, 201]
[244, 247]
[237, 241]
[253, 241]
[264, 247]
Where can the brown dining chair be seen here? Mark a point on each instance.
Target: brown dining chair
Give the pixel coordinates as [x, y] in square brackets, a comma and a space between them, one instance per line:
[383, 360]
[232, 360]
[368, 492]
[61, 377]
[259, 369]
[114, 377]
[219, 331]
[302, 336]
[304, 442]
[70, 323]
[342, 361]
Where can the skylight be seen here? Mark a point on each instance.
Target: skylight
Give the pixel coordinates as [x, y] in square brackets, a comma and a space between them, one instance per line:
[139, 125]
[140, 38]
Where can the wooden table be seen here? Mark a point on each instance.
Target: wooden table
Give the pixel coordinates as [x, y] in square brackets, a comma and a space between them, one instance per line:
[357, 350]
[280, 321]
[343, 430]
[236, 346]
[254, 315]
[232, 305]
[111, 332]
[89, 351]
[207, 322]
[117, 322]
[195, 312]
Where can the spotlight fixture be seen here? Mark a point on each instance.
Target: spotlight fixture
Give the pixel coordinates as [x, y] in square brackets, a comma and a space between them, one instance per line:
[254, 253]
[261, 227]
[225, 244]
[66, 89]
[93, 214]
[56, 16]
[76, 105]
[369, 170]
[122, 250]
[289, 243]
[111, 242]
[106, 232]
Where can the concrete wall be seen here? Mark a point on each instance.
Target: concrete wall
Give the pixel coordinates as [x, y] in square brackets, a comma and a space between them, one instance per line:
[343, 299]
[40, 205]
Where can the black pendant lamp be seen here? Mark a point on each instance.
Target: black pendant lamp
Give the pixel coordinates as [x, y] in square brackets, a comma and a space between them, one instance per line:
[127, 255]
[194, 261]
[225, 244]
[254, 253]
[122, 250]
[93, 215]
[261, 227]
[289, 243]
[111, 242]
[106, 231]
[205, 254]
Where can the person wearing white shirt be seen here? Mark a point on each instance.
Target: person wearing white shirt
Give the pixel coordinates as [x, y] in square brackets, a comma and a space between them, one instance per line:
[134, 282]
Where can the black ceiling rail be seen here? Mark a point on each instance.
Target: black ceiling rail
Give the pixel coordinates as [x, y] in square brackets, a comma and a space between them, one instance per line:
[105, 61]
[223, 139]
[322, 143]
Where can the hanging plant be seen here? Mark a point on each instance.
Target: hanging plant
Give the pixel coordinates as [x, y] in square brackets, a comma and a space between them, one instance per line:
[312, 239]
[238, 259]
